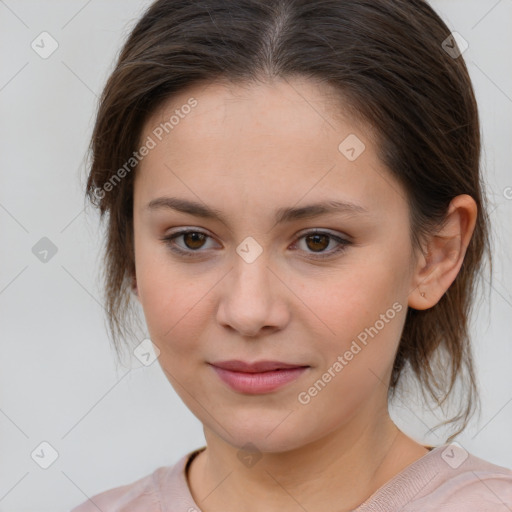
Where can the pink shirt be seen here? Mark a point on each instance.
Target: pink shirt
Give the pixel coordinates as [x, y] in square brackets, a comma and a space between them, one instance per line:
[447, 479]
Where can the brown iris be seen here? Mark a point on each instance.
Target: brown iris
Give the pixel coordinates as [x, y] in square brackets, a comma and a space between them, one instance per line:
[318, 240]
[194, 240]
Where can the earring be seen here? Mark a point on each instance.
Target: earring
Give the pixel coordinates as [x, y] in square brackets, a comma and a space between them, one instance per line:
[422, 294]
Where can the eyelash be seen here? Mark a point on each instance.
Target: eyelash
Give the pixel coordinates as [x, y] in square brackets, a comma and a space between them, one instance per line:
[169, 241]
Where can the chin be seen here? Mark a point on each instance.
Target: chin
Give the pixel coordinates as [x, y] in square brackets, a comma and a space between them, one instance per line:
[264, 436]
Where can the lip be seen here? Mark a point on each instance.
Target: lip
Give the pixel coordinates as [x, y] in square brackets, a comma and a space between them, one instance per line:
[236, 365]
[259, 377]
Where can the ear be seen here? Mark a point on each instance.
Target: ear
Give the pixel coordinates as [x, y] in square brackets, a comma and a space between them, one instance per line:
[445, 250]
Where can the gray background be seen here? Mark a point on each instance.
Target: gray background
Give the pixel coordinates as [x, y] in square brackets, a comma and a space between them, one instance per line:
[59, 380]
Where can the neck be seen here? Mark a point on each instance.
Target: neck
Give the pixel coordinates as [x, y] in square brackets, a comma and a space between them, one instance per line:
[335, 473]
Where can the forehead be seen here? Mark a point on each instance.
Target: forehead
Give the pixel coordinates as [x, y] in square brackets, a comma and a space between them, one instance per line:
[259, 141]
[251, 116]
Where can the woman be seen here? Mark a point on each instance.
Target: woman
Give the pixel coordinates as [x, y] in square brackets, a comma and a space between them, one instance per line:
[294, 197]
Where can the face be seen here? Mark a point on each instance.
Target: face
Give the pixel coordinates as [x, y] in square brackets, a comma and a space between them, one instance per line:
[265, 277]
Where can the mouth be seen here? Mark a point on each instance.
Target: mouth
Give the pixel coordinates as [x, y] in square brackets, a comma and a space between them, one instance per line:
[259, 377]
[236, 365]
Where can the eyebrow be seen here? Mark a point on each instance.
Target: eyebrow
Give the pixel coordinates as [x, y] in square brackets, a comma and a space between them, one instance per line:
[282, 215]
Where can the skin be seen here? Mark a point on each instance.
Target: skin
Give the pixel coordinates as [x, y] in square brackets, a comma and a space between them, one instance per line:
[247, 151]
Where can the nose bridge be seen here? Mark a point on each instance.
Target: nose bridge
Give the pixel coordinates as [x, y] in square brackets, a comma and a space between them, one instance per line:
[251, 277]
[251, 274]
[251, 294]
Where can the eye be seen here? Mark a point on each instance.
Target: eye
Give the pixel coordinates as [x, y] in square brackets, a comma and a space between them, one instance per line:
[316, 241]
[193, 240]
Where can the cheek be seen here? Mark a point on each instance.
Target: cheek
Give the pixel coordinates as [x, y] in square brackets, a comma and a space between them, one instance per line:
[162, 291]
[175, 301]
[357, 300]
[364, 317]
[363, 308]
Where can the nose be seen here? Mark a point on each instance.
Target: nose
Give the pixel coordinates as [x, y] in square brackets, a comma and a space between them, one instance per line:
[253, 299]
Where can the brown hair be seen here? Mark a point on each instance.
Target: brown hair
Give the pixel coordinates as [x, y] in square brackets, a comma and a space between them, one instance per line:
[387, 61]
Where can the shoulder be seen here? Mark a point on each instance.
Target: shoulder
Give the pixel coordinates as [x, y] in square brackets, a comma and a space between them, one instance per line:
[460, 481]
[142, 495]
[448, 479]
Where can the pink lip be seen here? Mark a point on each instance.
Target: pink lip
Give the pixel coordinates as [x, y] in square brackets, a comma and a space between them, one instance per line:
[259, 377]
